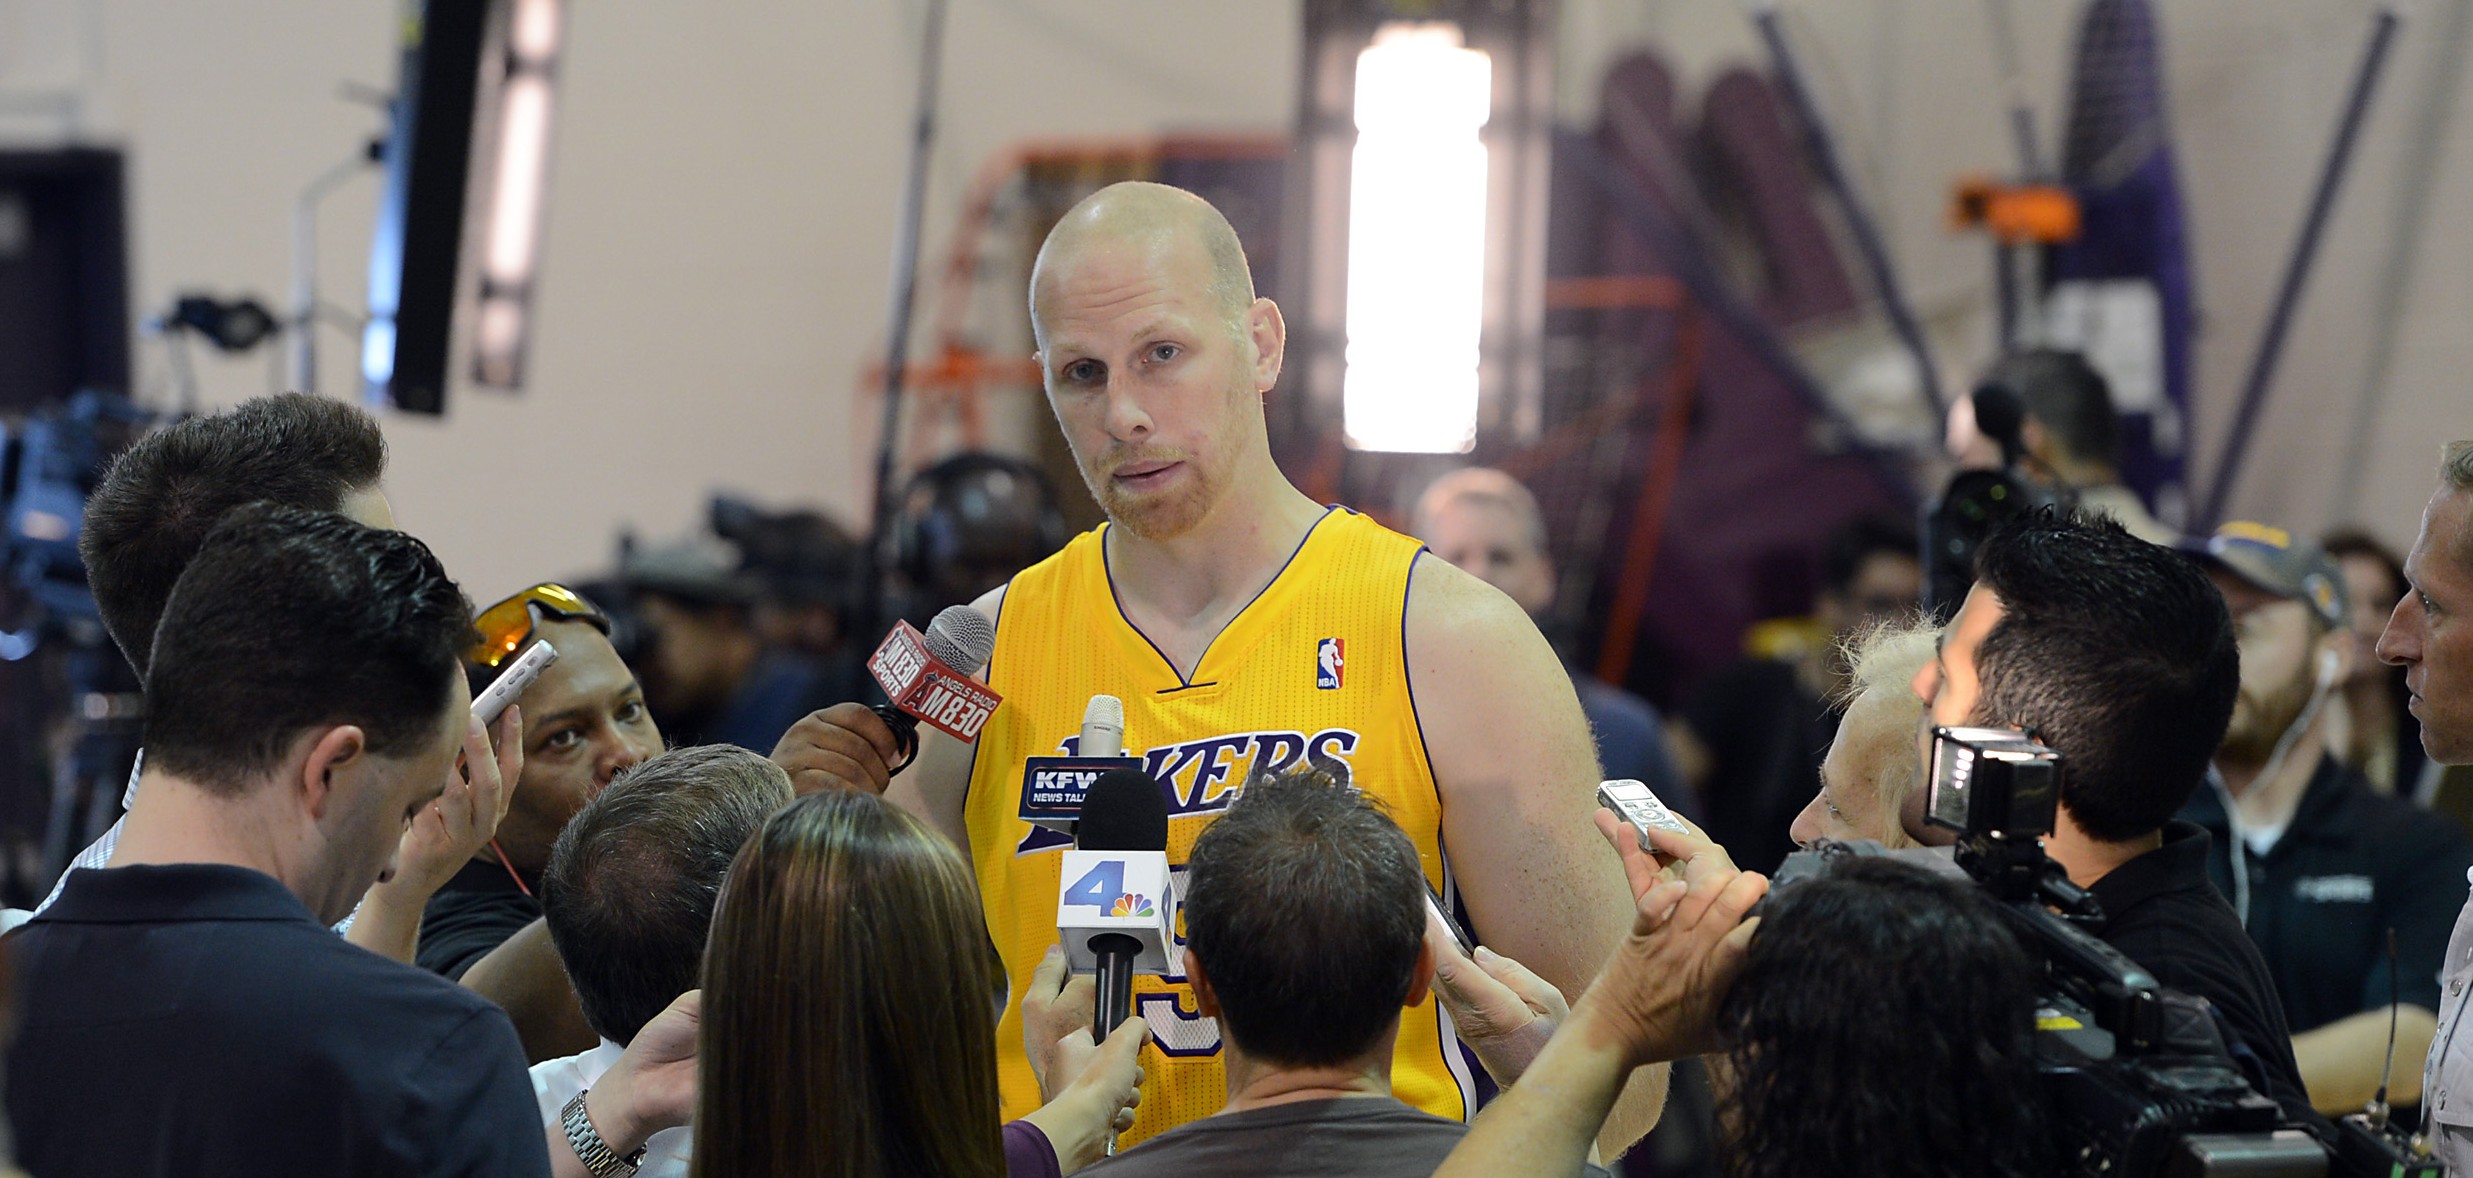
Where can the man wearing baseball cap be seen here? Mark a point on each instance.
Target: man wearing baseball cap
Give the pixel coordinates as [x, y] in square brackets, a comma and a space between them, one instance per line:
[2319, 866]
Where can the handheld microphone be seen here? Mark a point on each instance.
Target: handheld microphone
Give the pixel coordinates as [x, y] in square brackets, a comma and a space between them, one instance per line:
[928, 678]
[1117, 908]
[1054, 788]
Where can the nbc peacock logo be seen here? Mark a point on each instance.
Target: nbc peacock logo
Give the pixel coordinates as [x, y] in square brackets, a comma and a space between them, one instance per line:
[1131, 904]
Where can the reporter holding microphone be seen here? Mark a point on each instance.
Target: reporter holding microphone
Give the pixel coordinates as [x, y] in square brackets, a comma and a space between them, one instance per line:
[1246, 627]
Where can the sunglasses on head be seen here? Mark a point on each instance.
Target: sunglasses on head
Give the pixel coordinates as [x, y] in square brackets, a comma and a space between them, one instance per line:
[506, 626]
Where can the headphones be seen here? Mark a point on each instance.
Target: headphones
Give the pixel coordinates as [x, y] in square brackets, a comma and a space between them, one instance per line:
[2330, 663]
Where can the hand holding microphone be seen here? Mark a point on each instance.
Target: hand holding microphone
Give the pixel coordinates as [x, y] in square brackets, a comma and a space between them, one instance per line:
[928, 678]
[853, 746]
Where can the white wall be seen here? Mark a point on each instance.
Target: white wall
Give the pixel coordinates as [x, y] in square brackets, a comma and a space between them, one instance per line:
[726, 177]
[725, 187]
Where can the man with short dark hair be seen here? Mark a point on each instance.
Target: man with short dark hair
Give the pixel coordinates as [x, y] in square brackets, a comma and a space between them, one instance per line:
[159, 498]
[155, 506]
[629, 899]
[2120, 655]
[1306, 938]
[304, 702]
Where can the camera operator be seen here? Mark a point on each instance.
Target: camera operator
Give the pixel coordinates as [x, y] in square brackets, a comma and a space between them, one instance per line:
[2119, 654]
[2069, 432]
[2320, 868]
[2431, 636]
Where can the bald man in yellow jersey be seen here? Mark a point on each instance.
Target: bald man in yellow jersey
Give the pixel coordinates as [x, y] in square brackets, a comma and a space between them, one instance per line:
[1245, 625]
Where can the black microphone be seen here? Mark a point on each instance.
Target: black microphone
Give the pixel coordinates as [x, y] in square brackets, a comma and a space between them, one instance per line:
[928, 677]
[2000, 414]
[1126, 814]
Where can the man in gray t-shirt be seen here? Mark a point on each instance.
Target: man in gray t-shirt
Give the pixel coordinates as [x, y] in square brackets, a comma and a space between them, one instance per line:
[1305, 937]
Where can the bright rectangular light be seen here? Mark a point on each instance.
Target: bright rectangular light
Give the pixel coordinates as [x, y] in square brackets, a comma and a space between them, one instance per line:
[1416, 241]
[510, 248]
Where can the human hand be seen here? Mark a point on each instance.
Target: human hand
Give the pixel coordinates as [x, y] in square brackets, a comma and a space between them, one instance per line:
[1668, 850]
[1499, 1008]
[1658, 995]
[1056, 1023]
[652, 1087]
[1098, 1102]
[846, 746]
[447, 833]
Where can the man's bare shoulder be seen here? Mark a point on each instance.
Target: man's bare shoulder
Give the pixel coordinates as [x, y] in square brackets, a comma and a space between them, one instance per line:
[1444, 600]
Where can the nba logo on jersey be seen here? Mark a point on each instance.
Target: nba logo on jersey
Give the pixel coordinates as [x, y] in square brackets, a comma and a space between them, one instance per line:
[1329, 664]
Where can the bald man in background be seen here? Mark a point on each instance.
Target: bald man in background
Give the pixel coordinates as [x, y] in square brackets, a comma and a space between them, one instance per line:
[1487, 523]
[1247, 627]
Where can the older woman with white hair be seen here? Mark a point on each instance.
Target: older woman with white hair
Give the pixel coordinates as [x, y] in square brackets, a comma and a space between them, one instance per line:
[1874, 768]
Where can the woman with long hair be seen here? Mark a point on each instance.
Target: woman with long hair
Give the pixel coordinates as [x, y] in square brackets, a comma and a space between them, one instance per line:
[848, 1026]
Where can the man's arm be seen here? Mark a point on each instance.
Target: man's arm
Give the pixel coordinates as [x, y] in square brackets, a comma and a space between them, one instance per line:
[2342, 1062]
[1518, 773]
[1656, 1000]
[525, 978]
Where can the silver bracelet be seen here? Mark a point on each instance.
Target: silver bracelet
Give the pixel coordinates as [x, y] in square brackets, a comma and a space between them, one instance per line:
[590, 1149]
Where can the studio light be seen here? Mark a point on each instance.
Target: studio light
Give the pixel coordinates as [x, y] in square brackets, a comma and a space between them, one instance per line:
[1416, 241]
[1414, 275]
[519, 180]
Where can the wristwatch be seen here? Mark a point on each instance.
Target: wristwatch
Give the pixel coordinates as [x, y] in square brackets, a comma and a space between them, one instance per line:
[589, 1148]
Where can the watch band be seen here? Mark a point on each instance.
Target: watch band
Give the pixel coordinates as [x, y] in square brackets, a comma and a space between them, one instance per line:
[598, 1158]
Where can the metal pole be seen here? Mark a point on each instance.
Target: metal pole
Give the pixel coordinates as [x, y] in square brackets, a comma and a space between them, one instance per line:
[897, 337]
[2416, 180]
[304, 323]
[2297, 267]
[1858, 219]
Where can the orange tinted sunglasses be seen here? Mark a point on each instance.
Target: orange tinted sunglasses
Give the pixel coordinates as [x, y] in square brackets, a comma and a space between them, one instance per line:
[505, 626]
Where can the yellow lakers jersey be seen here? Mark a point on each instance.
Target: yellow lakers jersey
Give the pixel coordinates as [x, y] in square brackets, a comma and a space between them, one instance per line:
[1313, 666]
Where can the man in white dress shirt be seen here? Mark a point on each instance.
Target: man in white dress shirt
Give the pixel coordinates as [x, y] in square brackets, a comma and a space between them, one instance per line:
[2431, 636]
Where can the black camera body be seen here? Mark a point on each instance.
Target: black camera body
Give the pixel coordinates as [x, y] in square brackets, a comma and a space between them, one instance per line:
[2137, 1078]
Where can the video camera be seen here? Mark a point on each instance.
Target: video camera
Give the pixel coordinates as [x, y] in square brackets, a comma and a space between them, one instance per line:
[1978, 501]
[2137, 1076]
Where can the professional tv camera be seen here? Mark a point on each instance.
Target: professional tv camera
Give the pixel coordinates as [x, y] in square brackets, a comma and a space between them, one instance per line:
[2138, 1078]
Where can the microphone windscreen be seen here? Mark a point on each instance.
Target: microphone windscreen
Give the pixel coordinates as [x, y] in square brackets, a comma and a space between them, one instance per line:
[1123, 811]
[961, 638]
[1106, 711]
[1999, 413]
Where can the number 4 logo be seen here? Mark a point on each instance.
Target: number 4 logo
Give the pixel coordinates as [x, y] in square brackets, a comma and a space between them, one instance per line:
[1098, 887]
